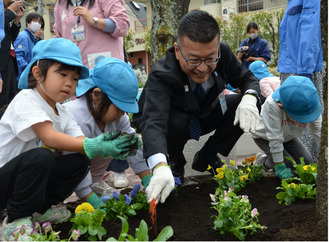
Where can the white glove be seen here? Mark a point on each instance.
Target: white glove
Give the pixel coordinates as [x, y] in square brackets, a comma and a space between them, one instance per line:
[247, 114]
[161, 184]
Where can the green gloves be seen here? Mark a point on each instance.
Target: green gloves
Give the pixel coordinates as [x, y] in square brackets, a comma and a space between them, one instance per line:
[116, 144]
[146, 180]
[283, 172]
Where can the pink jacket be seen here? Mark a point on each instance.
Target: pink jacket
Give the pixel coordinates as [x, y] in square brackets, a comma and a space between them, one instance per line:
[268, 85]
[96, 40]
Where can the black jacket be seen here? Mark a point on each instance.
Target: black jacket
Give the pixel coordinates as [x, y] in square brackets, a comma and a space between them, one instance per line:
[11, 33]
[165, 93]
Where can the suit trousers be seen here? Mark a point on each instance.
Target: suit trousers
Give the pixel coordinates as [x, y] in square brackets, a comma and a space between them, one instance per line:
[35, 180]
[222, 141]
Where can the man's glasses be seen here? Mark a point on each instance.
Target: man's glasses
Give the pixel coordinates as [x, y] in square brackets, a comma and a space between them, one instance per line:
[197, 62]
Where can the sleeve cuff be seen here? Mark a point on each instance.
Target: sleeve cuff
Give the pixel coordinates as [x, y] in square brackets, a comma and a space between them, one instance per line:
[109, 25]
[277, 157]
[153, 160]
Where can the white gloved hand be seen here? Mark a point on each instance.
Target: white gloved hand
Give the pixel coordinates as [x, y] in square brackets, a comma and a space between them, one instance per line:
[247, 114]
[161, 184]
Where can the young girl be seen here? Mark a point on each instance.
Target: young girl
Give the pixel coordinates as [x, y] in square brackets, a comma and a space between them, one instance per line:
[33, 177]
[108, 93]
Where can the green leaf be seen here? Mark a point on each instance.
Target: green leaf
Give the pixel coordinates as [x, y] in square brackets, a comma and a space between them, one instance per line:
[142, 232]
[289, 200]
[291, 191]
[111, 239]
[137, 206]
[281, 195]
[165, 234]
[92, 231]
[101, 232]
[218, 223]
[124, 230]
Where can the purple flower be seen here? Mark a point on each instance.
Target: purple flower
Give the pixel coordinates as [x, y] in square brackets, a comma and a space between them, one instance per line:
[76, 234]
[37, 225]
[106, 198]
[47, 227]
[212, 197]
[254, 212]
[127, 199]
[34, 231]
[133, 194]
[22, 229]
[230, 189]
[137, 187]
[178, 182]
[116, 195]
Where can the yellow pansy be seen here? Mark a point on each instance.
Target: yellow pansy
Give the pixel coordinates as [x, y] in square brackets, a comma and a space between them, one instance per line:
[209, 167]
[245, 177]
[84, 206]
[292, 185]
[232, 162]
[248, 169]
[220, 175]
[306, 167]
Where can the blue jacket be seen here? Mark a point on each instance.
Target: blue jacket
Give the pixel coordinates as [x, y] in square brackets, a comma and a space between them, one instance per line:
[300, 38]
[23, 47]
[259, 49]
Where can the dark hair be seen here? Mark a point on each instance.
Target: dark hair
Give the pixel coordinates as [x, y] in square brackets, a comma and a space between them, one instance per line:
[69, 2]
[34, 16]
[198, 26]
[103, 106]
[44, 65]
[252, 25]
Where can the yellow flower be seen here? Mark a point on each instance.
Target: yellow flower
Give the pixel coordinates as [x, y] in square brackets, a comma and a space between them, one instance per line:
[209, 167]
[306, 167]
[224, 166]
[250, 159]
[248, 169]
[84, 206]
[292, 185]
[220, 175]
[232, 162]
[245, 177]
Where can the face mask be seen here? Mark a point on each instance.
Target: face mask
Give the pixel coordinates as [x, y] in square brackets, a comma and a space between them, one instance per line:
[35, 26]
[253, 36]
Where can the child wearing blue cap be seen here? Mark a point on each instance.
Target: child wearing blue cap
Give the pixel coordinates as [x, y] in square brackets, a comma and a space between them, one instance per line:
[285, 114]
[268, 83]
[104, 99]
[35, 178]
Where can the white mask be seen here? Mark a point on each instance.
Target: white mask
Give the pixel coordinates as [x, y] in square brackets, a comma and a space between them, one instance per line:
[35, 26]
[253, 36]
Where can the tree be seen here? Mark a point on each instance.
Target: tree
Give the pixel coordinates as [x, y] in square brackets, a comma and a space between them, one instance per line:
[322, 183]
[165, 17]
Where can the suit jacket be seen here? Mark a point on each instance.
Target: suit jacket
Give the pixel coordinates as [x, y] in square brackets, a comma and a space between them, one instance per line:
[11, 33]
[167, 91]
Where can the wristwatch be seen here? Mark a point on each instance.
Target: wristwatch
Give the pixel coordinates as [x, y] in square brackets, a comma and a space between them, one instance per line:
[95, 21]
[253, 93]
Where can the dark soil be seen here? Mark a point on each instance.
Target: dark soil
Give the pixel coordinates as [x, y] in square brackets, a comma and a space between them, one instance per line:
[189, 215]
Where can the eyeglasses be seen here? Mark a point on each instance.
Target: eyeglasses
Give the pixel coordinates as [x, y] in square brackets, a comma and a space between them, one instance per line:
[197, 62]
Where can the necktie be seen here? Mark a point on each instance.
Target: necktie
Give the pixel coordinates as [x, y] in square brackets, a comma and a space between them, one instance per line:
[195, 126]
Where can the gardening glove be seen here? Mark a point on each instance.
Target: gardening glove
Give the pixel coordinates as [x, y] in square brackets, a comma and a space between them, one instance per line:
[106, 145]
[136, 143]
[247, 114]
[283, 172]
[161, 184]
[146, 181]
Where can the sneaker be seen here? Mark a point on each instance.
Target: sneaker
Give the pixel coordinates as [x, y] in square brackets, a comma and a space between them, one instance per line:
[14, 230]
[107, 176]
[56, 214]
[102, 189]
[120, 179]
[262, 159]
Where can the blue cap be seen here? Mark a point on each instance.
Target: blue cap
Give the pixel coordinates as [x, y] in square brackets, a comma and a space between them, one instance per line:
[58, 49]
[299, 98]
[117, 80]
[259, 69]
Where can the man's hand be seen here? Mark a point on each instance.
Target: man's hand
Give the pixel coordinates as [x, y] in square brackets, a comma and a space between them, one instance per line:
[15, 6]
[1, 83]
[247, 114]
[161, 184]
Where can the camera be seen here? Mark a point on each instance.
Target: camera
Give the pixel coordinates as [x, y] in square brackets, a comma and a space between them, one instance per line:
[245, 51]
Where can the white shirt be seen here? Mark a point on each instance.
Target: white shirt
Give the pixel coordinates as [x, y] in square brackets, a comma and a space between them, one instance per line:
[26, 109]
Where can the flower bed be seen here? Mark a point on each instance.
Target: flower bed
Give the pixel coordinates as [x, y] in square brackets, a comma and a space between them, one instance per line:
[189, 213]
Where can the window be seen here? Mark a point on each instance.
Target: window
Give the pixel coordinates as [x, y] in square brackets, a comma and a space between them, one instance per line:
[250, 5]
[132, 55]
[211, 1]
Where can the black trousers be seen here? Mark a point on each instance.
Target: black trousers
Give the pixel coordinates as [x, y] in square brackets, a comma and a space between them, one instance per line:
[9, 87]
[36, 179]
[222, 141]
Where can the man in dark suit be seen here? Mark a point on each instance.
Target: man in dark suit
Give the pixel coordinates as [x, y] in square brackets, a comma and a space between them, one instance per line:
[8, 65]
[184, 99]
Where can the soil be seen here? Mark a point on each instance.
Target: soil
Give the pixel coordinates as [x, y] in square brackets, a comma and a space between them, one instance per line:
[190, 210]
